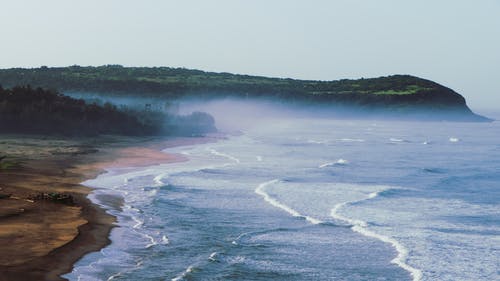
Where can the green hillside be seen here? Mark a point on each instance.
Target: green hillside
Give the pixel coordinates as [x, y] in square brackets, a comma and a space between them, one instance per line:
[395, 94]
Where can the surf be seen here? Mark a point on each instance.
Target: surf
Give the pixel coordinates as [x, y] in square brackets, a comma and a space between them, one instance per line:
[361, 227]
[260, 190]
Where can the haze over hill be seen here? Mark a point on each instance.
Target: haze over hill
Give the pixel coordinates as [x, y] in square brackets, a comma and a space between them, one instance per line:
[37, 111]
[398, 96]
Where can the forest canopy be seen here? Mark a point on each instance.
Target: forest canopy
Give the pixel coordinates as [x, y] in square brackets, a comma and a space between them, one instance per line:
[399, 96]
[37, 111]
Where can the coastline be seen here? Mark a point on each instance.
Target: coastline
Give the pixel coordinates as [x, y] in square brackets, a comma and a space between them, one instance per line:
[47, 238]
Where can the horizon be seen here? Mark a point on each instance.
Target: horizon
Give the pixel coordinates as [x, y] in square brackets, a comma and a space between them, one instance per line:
[449, 42]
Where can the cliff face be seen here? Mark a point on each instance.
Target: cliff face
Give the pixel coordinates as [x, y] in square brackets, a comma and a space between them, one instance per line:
[397, 95]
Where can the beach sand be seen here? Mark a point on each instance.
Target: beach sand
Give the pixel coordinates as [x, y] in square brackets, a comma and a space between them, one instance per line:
[42, 239]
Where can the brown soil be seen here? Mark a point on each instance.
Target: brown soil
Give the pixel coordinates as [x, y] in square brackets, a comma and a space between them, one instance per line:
[42, 239]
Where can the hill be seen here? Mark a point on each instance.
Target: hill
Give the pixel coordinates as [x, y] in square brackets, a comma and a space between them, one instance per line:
[397, 95]
[27, 110]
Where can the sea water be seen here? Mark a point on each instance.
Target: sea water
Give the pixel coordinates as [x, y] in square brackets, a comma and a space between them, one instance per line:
[311, 199]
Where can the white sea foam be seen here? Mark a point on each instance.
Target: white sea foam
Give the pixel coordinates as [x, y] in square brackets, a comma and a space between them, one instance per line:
[362, 228]
[351, 140]
[138, 222]
[338, 162]
[261, 191]
[452, 139]
[259, 158]
[329, 164]
[235, 241]
[158, 179]
[165, 240]
[212, 256]
[184, 274]
[317, 141]
[341, 162]
[112, 277]
[455, 255]
[397, 140]
[151, 240]
[215, 152]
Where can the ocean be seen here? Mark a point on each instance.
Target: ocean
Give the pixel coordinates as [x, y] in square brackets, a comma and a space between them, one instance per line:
[311, 199]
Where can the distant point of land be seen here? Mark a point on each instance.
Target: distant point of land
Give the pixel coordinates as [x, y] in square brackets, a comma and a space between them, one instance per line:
[399, 96]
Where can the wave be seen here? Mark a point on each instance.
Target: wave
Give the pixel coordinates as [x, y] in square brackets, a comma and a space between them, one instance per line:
[112, 277]
[331, 164]
[398, 140]
[351, 140]
[153, 242]
[215, 152]
[360, 226]
[452, 139]
[317, 141]
[213, 256]
[184, 274]
[237, 239]
[165, 240]
[261, 191]
[158, 179]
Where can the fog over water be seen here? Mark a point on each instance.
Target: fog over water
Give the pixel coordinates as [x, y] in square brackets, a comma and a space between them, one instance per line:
[302, 195]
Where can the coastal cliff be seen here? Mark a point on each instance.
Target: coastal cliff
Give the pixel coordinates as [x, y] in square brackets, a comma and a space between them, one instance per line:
[400, 96]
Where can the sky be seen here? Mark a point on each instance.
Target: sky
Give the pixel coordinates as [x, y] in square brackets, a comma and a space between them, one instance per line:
[455, 43]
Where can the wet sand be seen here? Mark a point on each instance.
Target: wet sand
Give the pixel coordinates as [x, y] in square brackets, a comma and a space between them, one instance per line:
[42, 239]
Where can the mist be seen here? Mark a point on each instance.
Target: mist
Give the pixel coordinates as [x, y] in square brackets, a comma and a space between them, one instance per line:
[233, 114]
[197, 116]
[160, 114]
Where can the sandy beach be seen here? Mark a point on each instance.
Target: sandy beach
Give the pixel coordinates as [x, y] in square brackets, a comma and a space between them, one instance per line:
[44, 238]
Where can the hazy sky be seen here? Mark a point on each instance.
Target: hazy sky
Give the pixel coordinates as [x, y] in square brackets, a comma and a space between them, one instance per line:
[453, 42]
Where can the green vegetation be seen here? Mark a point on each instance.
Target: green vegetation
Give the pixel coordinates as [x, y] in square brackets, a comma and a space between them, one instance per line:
[38, 111]
[23, 109]
[397, 94]
[179, 82]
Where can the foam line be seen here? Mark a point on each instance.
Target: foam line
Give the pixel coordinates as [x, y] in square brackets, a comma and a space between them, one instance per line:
[361, 227]
[184, 274]
[338, 162]
[138, 222]
[329, 164]
[112, 277]
[158, 179]
[351, 140]
[397, 140]
[316, 141]
[152, 241]
[212, 256]
[235, 241]
[215, 152]
[260, 190]
[165, 240]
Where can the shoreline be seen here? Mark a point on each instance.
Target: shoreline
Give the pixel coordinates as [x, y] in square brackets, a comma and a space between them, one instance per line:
[49, 238]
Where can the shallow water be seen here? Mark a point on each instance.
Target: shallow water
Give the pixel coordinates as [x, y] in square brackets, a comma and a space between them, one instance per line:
[312, 199]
